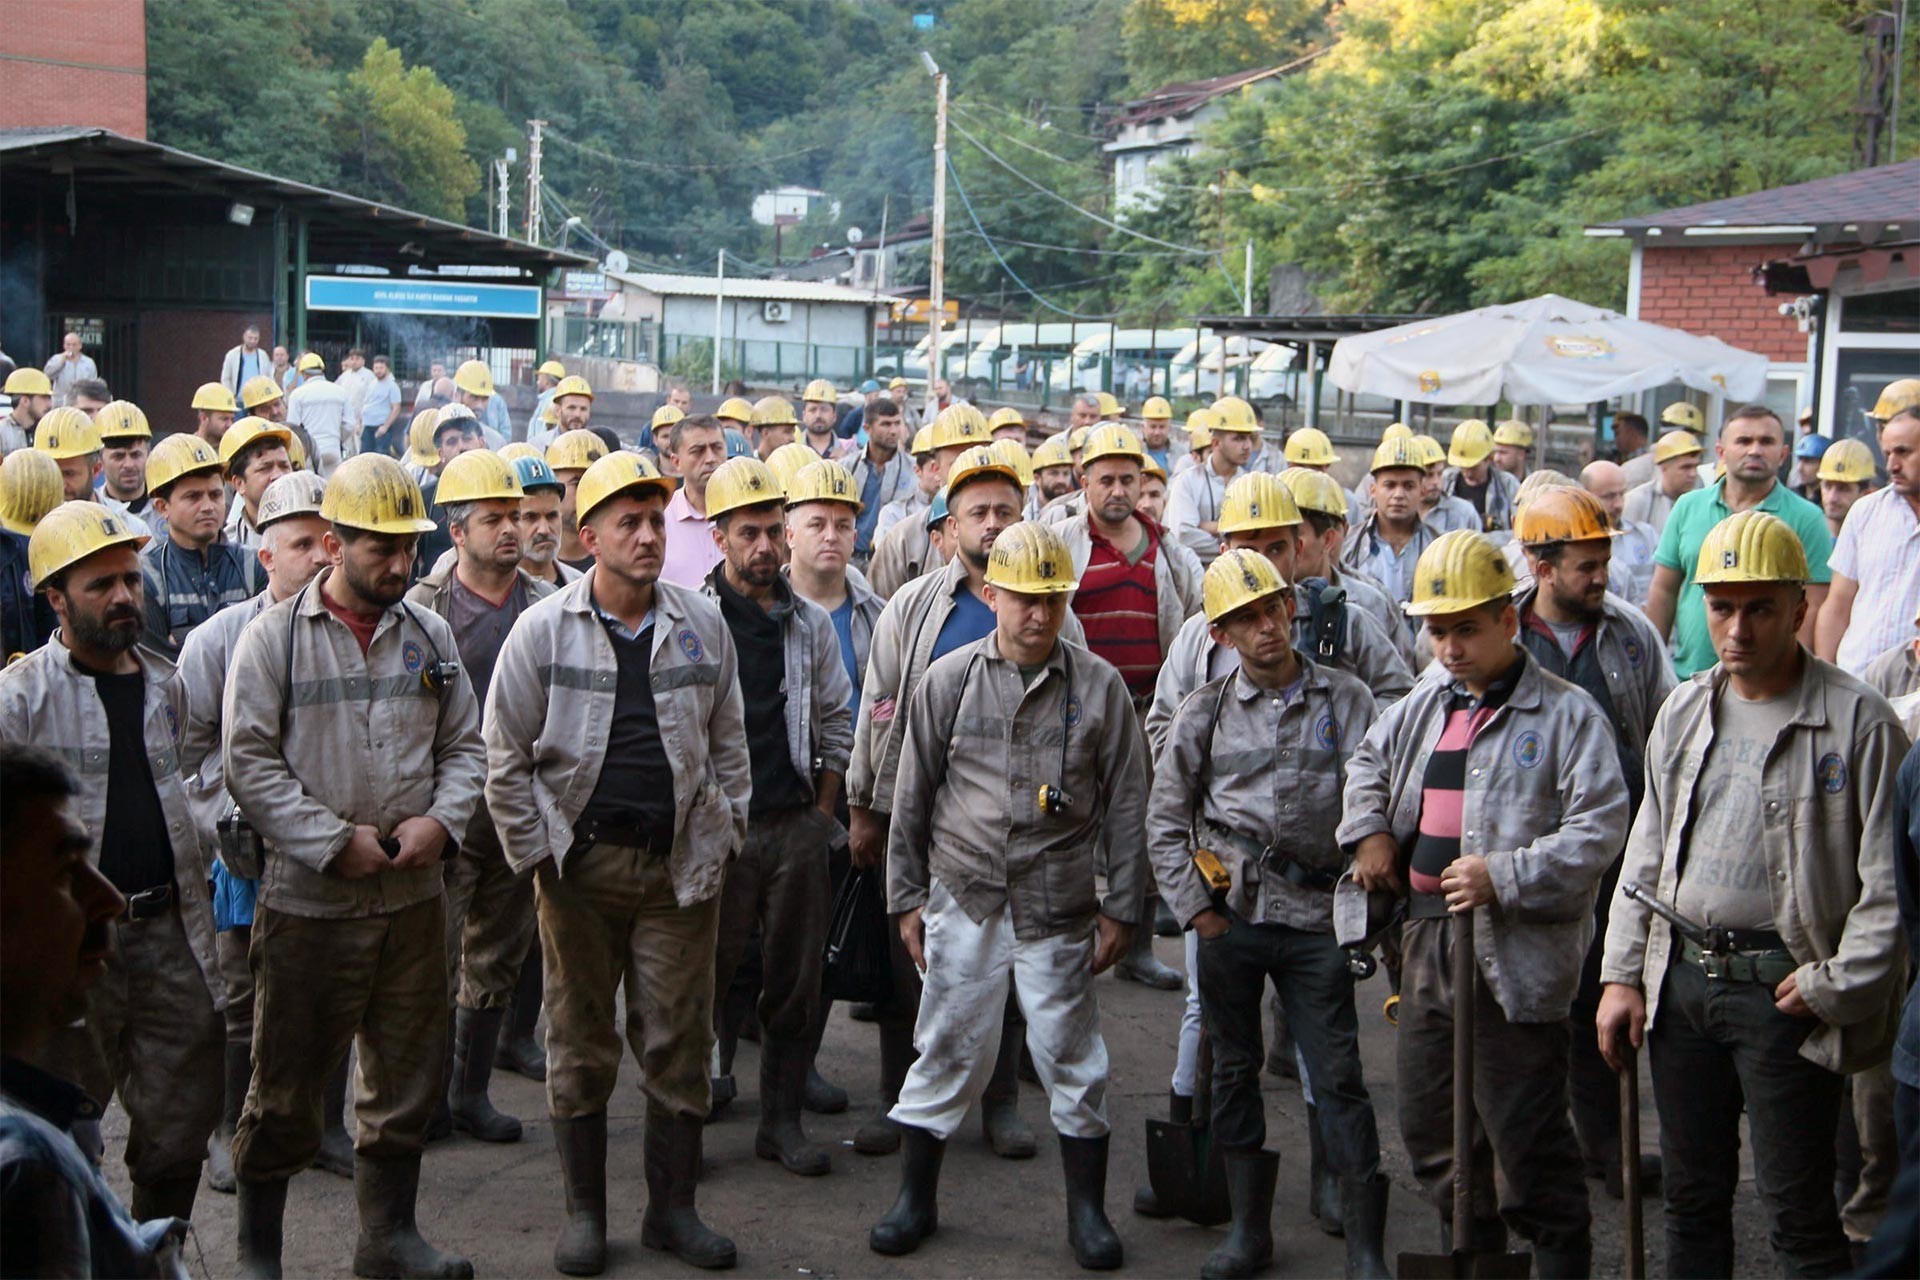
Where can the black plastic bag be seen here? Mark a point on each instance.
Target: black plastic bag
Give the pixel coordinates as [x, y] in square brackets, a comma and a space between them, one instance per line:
[858, 965]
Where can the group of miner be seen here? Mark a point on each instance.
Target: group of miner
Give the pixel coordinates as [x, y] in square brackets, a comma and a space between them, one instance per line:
[335, 741]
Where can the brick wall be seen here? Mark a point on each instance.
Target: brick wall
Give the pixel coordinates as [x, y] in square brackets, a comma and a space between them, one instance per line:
[179, 350]
[78, 62]
[1709, 289]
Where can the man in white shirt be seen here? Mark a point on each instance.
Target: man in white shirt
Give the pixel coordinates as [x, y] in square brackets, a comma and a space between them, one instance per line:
[1876, 560]
[244, 361]
[1677, 457]
[320, 407]
[71, 365]
[1193, 503]
[1630, 573]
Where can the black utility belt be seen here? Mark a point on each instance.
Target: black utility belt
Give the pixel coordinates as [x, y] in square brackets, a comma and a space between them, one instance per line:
[1766, 965]
[1427, 906]
[149, 903]
[626, 835]
[1271, 859]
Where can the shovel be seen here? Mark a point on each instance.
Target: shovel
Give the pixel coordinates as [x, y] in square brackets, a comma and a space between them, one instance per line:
[1465, 1260]
[1634, 1266]
[1186, 1171]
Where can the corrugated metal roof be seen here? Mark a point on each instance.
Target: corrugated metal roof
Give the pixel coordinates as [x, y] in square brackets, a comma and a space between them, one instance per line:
[749, 288]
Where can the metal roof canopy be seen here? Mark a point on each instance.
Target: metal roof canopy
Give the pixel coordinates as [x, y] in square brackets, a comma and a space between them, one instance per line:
[1300, 329]
[342, 229]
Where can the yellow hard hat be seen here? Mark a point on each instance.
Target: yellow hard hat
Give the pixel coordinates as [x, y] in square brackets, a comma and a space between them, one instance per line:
[1430, 451]
[1053, 452]
[960, 424]
[1751, 546]
[1257, 500]
[310, 362]
[1029, 558]
[575, 450]
[1469, 444]
[977, 462]
[1675, 444]
[1514, 433]
[515, 450]
[420, 448]
[1309, 447]
[549, 416]
[73, 531]
[477, 475]
[1153, 468]
[1896, 397]
[774, 411]
[1111, 440]
[66, 432]
[571, 385]
[1458, 571]
[1109, 406]
[1562, 513]
[741, 482]
[617, 473]
[1236, 579]
[298, 493]
[371, 491]
[1396, 431]
[789, 460]
[1400, 452]
[474, 378]
[665, 416]
[736, 410]
[1156, 409]
[1315, 491]
[30, 486]
[1015, 455]
[1203, 420]
[1235, 414]
[820, 391]
[1077, 438]
[1536, 483]
[1847, 461]
[1683, 415]
[553, 369]
[246, 431]
[1199, 436]
[822, 480]
[897, 383]
[922, 441]
[297, 453]
[122, 419]
[214, 398]
[28, 381]
[258, 390]
[1005, 416]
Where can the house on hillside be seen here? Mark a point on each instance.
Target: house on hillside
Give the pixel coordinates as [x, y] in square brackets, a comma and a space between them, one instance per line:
[784, 206]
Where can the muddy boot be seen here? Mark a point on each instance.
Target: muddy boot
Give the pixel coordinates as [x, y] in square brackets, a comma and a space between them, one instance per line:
[916, 1211]
[239, 1074]
[1142, 966]
[165, 1198]
[581, 1249]
[1563, 1264]
[822, 1097]
[261, 1209]
[671, 1224]
[1006, 1132]
[1164, 925]
[476, 1036]
[1145, 1202]
[390, 1244]
[1323, 1186]
[520, 1051]
[336, 1147]
[1363, 1202]
[783, 1080]
[879, 1136]
[1249, 1244]
[1084, 1160]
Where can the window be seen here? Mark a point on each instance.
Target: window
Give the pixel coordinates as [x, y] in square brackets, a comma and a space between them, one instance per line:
[1887, 311]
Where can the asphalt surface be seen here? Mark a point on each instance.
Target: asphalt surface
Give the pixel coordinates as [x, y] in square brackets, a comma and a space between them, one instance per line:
[501, 1205]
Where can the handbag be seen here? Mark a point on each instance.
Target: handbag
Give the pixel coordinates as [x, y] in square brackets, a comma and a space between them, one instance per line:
[858, 966]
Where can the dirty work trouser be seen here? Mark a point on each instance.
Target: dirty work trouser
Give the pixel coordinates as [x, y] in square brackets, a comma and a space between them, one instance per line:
[320, 987]
[963, 1005]
[613, 916]
[1872, 1102]
[779, 882]
[231, 947]
[1519, 1097]
[151, 1035]
[489, 919]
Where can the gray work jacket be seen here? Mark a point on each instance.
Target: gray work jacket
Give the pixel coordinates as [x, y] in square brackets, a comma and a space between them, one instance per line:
[204, 660]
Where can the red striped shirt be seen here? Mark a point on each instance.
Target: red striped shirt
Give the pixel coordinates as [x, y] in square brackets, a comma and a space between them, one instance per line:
[1117, 607]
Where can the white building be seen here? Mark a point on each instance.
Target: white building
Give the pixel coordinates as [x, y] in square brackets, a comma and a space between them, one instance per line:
[788, 205]
[1149, 131]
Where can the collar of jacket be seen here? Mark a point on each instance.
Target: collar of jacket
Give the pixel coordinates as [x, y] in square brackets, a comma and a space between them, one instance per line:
[855, 582]
[1056, 661]
[577, 597]
[1527, 686]
[58, 1102]
[441, 579]
[1370, 527]
[1612, 612]
[313, 605]
[153, 666]
[1311, 677]
[1810, 704]
[781, 608]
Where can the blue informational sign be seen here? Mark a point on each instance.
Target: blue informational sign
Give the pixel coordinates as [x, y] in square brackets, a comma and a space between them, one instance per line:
[423, 297]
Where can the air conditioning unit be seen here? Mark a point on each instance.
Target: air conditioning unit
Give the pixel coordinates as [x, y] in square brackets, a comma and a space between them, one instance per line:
[776, 312]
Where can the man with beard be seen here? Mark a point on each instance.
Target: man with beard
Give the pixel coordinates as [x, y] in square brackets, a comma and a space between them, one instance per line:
[489, 908]
[1578, 630]
[929, 474]
[819, 414]
[698, 446]
[32, 396]
[1387, 545]
[1847, 472]
[797, 700]
[191, 574]
[152, 1031]
[352, 746]
[71, 439]
[1476, 475]
[125, 438]
[882, 473]
[1053, 476]
[1156, 430]
[540, 522]
[570, 454]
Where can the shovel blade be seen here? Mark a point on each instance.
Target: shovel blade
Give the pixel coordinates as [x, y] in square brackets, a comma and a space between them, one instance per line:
[1464, 1263]
[1187, 1174]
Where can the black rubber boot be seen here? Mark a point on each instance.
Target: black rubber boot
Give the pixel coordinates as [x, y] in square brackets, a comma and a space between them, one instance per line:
[1084, 1161]
[520, 1050]
[581, 1249]
[1323, 1186]
[261, 1209]
[1563, 1264]
[238, 1075]
[390, 1244]
[1249, 1244]
[1145, 1202]
[476, 1037]
[916, 1211]
[671, 1224]
[879, 1136]
[721, 1091]
[336, 1146]
[783, 1079]
[1000, 1120]
[1164, 925]
[165, 1198]
[822, 1096]
[1364, 1204]
[440, 1123]
[1142, 966]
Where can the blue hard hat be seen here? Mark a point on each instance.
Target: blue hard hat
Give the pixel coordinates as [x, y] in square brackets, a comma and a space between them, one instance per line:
[938, 511]
[738, 446]
[868, 387]
[536, 474]
[1812, 445]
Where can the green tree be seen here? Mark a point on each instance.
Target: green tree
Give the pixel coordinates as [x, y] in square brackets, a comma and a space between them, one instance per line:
[412, 146]
[1173, 40]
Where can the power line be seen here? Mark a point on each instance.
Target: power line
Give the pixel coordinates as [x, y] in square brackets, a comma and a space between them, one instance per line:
[1013, 275]
[658, 167]
[1396, 178]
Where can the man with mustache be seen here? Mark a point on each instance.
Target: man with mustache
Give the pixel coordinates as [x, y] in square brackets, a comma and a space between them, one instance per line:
[540, 522]
[151, 1031]
[352, 746]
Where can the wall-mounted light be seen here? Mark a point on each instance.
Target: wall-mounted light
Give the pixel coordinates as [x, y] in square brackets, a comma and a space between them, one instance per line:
[240, 215]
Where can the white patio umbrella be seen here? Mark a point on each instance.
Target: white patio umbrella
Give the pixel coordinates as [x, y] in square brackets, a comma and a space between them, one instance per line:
[1546, 350]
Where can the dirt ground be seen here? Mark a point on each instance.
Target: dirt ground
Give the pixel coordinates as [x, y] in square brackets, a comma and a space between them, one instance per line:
[502, 1204]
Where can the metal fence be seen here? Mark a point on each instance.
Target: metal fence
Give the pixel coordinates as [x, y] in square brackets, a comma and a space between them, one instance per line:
[606, 339]
[690, 356]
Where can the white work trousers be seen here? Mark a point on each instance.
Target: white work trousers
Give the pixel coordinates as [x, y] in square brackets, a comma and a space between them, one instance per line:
[962, 1006]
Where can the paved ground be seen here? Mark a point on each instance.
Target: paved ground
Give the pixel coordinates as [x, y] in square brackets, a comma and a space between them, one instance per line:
[502, 1205]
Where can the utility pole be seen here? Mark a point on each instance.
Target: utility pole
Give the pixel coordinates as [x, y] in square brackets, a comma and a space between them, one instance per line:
[1247, 278]
[937, 291]
[533, 180]
[500, 181]
[719, 284]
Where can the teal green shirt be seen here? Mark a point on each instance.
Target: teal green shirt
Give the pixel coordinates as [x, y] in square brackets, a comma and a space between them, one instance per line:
[1687, 526]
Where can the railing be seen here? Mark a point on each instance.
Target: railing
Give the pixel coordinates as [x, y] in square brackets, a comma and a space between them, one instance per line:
[606, 339]
[690, 356]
